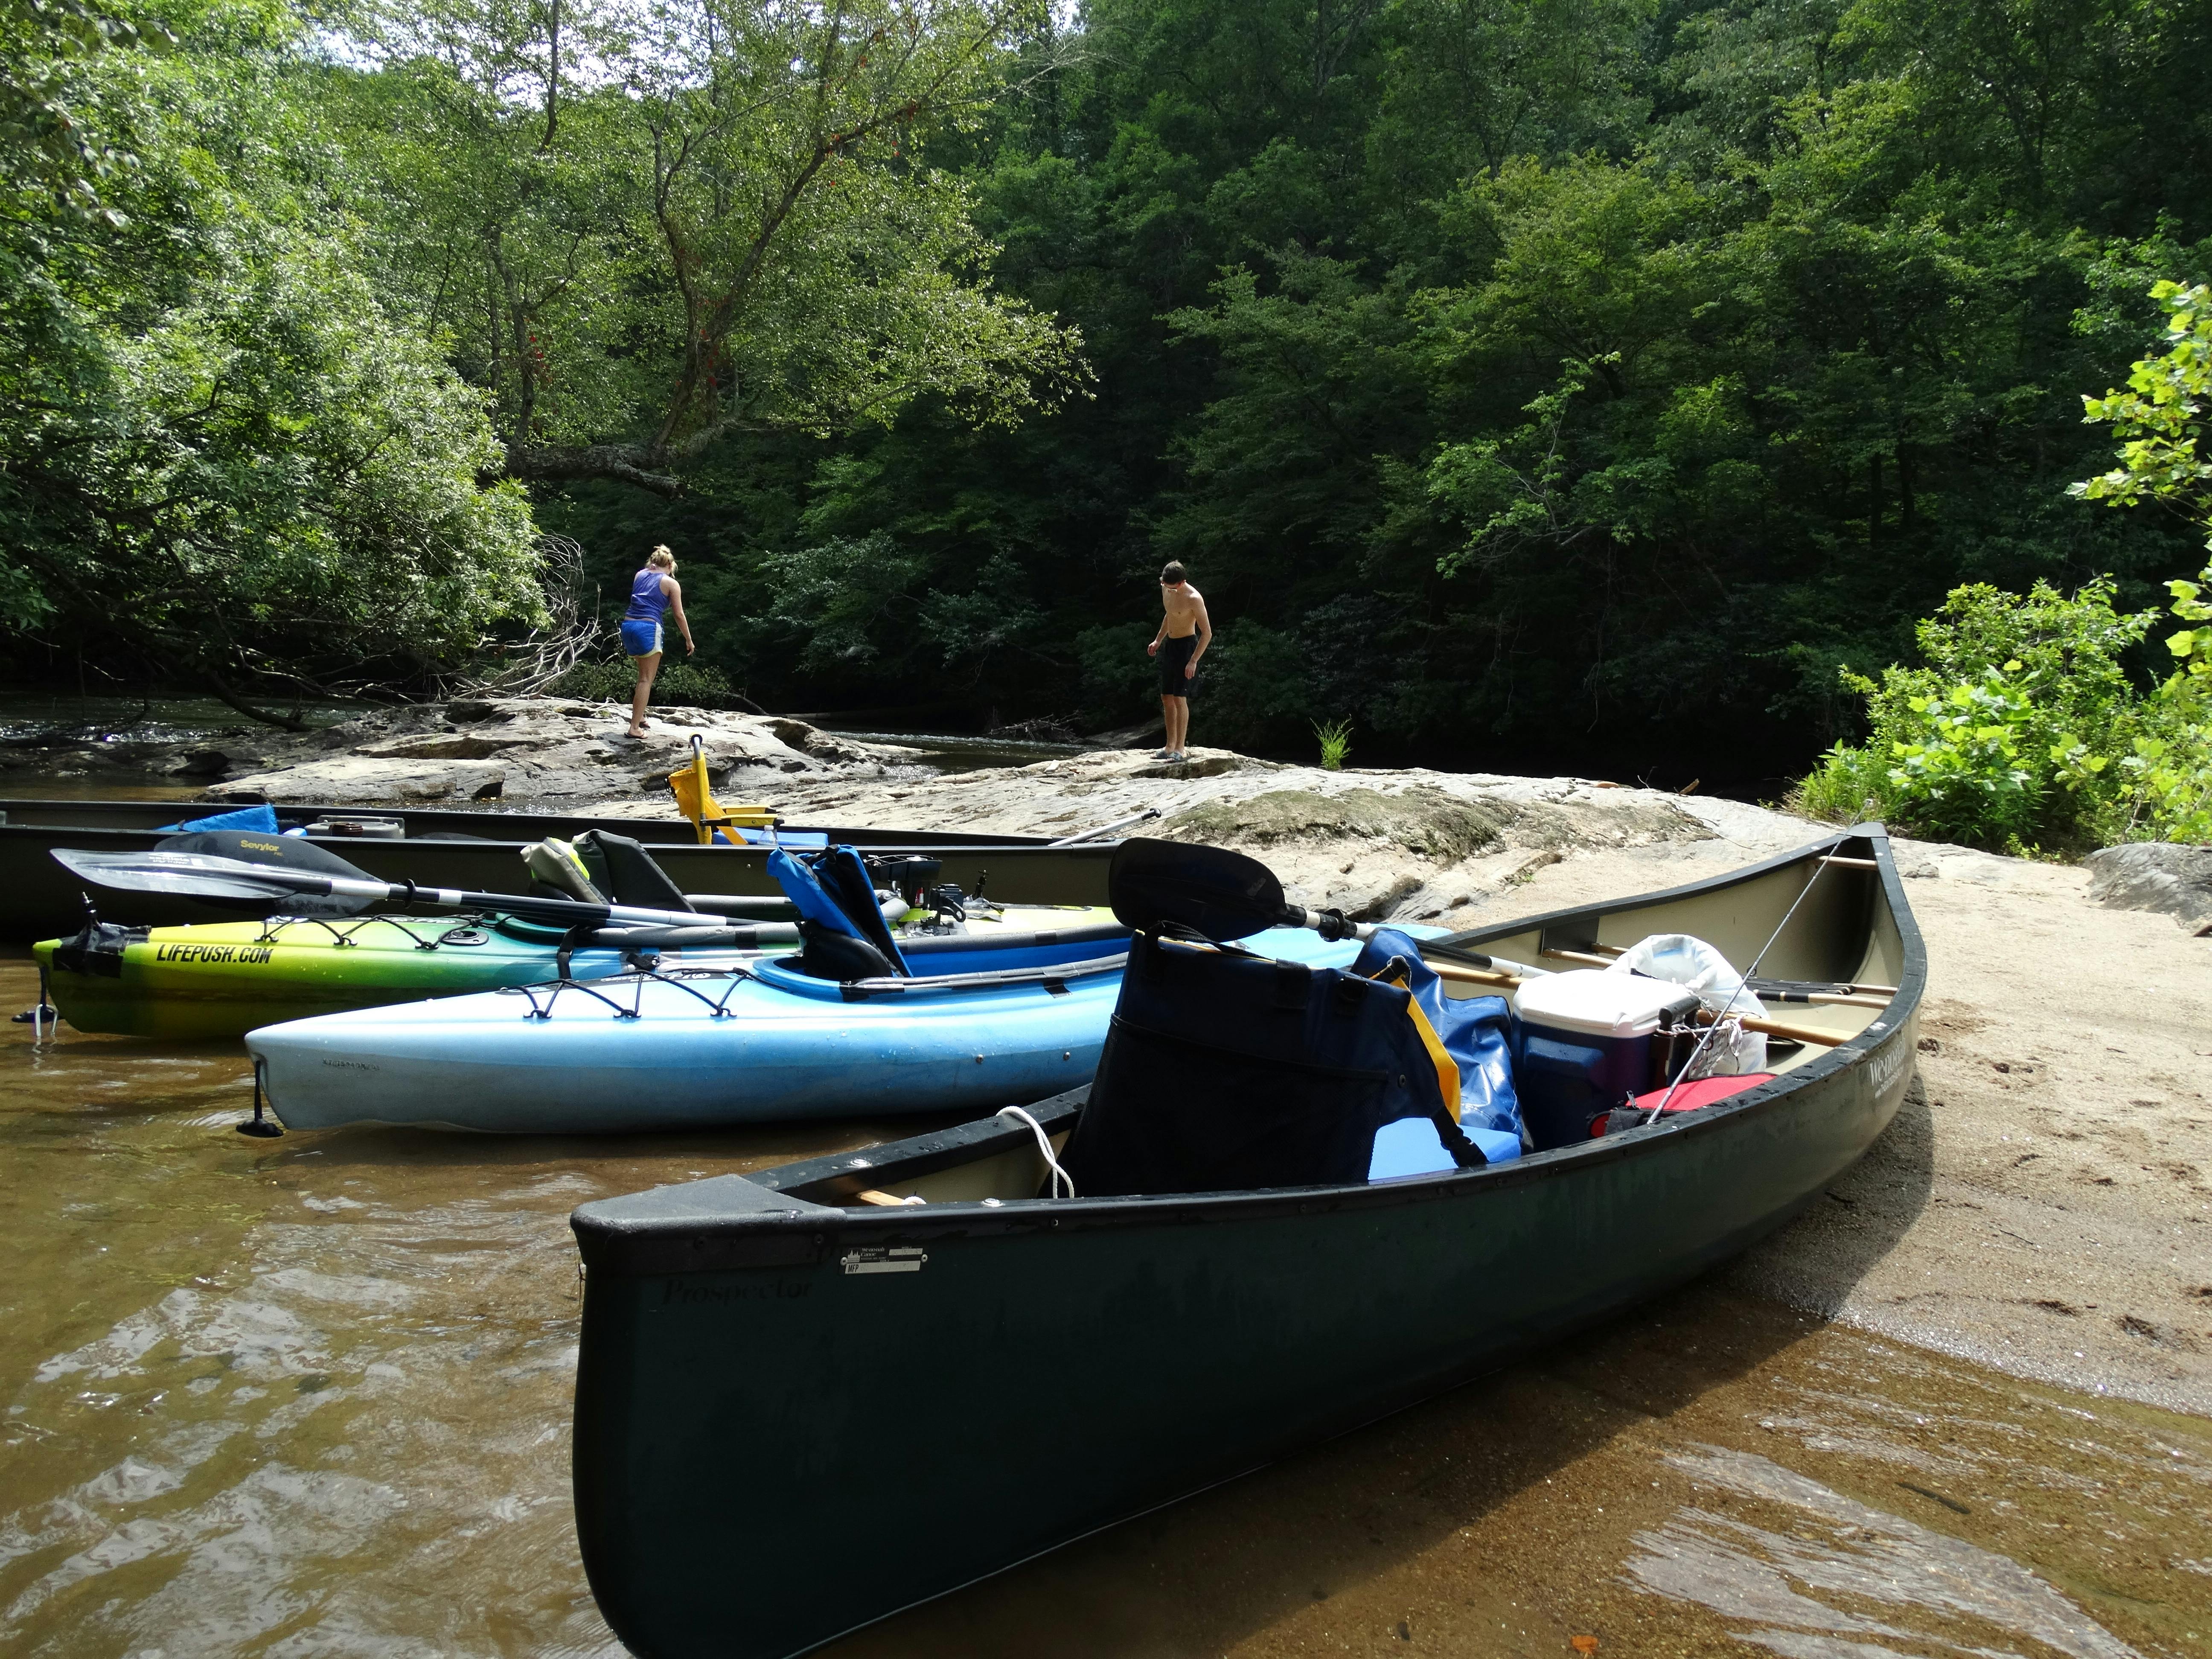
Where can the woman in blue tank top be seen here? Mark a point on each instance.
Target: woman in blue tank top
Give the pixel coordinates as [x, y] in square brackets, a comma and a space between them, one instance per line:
[652, 590]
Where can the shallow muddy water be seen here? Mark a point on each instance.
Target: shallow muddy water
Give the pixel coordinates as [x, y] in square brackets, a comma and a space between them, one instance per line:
[311, 1396]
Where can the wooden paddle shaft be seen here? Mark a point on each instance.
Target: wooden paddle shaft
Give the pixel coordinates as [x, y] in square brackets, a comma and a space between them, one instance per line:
[1812, 1034]
[1460, 976]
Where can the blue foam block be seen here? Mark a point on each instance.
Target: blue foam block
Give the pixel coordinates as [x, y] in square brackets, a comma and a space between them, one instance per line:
[262, 817]
[806, 841]
[1412, 1146]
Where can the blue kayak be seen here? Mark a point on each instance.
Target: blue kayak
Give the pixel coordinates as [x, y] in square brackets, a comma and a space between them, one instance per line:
[741, 1042]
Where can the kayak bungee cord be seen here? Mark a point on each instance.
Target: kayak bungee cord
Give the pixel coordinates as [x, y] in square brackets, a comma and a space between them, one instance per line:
[715, 1005]
[448, 927]
[1742, 985]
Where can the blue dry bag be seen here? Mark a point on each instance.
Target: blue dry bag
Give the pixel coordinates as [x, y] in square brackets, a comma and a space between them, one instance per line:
[1476, 1033]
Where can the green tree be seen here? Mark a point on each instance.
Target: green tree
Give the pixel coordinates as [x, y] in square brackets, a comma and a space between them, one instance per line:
[220, 460]
[2161, 420]
[653, 233]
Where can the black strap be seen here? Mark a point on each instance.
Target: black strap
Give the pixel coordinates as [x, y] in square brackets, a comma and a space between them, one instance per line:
[1465, 1152]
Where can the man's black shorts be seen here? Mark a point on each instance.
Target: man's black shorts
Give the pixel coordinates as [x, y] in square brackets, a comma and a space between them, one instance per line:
[1173, 654]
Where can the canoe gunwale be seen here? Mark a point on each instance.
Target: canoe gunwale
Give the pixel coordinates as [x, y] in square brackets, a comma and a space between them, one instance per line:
[624, 1235]
[449, 848]
[27, 812]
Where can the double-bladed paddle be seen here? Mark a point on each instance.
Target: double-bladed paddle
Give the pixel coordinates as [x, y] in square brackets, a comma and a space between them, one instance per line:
[1224, 896]
[243, 868]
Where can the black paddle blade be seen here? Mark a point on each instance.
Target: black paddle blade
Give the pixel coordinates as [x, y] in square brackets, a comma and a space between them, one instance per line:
[223, 867]
[1209, 890]
[290, 853]
[258, 846]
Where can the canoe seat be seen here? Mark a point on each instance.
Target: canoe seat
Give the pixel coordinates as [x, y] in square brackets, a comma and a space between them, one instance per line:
[1224, 1071]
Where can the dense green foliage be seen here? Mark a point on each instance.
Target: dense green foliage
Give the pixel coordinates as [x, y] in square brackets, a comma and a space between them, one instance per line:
[291, 301]
[2006, 734]
[1579, 383]
[220, 455]
[2023, 726]
[2161, 418]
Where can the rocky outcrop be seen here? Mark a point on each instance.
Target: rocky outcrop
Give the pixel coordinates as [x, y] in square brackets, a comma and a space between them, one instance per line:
[1407, 845]
[1439, 848]
[2160, 876]
[550, 753]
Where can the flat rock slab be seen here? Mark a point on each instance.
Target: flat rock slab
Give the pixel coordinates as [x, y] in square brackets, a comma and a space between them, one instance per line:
[2161, 876]
[365, 780]
[550, 752]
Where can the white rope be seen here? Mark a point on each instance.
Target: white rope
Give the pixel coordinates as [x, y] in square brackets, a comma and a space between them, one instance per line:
[1713, 1030]
[1044, 1147]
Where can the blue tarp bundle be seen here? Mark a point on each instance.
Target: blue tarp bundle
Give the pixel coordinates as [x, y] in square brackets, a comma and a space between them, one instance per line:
[262, 818]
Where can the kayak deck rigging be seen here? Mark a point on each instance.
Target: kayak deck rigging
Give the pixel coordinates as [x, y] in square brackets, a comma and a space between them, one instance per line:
[545, 994]
[345, 932]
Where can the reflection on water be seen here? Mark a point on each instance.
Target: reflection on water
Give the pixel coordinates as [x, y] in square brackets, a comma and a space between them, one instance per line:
[311, 1396]
[47, 716]
[1854, 1555]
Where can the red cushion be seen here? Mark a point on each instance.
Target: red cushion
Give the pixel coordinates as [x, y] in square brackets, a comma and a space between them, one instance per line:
[1705, 1091]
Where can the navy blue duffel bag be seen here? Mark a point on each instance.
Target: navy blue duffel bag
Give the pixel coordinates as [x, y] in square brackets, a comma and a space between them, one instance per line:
[1225, 1071]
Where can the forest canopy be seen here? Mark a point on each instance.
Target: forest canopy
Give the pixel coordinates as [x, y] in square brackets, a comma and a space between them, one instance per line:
[1582, 382]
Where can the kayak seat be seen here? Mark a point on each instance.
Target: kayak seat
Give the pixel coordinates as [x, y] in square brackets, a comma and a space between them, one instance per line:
[837, 911]
[632, 876]
[558, 871]
[826, 954]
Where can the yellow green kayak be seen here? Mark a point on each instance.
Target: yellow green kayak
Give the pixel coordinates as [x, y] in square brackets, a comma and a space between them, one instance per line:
[224, 978]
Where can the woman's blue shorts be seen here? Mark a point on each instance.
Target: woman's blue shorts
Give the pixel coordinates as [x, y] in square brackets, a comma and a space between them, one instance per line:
[639, 638]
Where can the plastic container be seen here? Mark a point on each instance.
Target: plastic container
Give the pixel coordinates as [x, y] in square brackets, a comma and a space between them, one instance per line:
[361, 828]
[1582, 1044]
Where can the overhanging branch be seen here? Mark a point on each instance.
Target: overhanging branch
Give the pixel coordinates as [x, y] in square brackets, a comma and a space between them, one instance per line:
[629, 463]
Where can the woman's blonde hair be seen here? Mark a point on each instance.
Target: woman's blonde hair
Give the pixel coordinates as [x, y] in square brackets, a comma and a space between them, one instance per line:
[662, 559]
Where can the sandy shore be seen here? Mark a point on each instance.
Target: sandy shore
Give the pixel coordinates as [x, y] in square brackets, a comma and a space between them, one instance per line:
[2041, 1205]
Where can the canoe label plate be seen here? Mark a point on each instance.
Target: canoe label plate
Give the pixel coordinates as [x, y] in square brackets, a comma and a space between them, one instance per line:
[874, 1260]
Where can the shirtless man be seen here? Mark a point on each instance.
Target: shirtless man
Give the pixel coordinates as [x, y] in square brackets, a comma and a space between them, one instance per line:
[1185, 632]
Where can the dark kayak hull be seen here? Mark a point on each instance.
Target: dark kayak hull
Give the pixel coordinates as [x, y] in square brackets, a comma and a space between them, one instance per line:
[479, 852]
[795, 1415]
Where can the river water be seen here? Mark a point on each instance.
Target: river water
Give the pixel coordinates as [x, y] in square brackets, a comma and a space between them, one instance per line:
[310, 1396]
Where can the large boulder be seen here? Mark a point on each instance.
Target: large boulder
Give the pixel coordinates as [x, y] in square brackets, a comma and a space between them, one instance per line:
[2163, 876]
